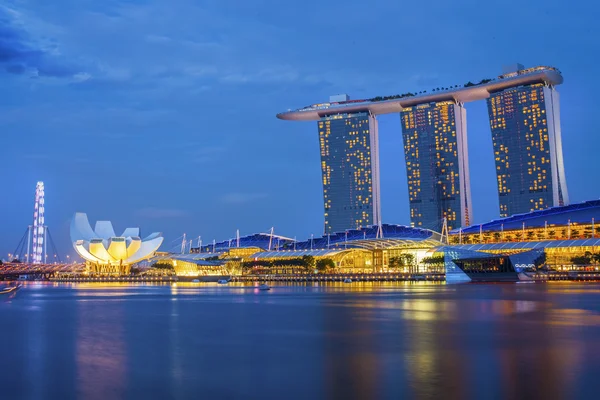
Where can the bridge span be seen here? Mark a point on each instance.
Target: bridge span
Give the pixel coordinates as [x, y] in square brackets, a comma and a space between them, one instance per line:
[13, 270]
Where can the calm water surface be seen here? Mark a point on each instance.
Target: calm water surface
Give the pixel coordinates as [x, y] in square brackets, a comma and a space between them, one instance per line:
[339, 341]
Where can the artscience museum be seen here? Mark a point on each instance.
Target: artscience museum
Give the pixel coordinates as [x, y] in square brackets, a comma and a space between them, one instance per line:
[105, 252]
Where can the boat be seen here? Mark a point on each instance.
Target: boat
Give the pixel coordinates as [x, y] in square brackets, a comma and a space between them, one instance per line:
[10, 289]
[347, 280]
[264, 286]
[196, 281]
[222, 281]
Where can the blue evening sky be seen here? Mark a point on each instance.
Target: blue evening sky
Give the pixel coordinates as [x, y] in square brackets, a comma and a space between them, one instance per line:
[161, 114]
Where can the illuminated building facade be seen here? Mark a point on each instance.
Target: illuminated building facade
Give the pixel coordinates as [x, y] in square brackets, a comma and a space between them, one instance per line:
[525, 124]
[435, 150]
[350, 170]
[524, 117]
[106, 253]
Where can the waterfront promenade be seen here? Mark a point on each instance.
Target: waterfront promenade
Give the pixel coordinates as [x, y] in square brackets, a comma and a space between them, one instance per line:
[427, 277]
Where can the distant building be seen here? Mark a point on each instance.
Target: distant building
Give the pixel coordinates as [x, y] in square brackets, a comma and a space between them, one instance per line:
[435, 150]
[350, 170]
[526, 135]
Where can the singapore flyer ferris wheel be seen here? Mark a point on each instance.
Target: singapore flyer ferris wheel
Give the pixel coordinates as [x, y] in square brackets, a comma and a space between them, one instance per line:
[38, 229]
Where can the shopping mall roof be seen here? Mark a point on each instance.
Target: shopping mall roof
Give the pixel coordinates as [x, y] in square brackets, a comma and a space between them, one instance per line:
[574, 213]
[374, 237]
[260, 240]
[298, 253]
[193, 257]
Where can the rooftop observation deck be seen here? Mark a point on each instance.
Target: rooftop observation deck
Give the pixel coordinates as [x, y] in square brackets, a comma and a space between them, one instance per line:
[394, 104]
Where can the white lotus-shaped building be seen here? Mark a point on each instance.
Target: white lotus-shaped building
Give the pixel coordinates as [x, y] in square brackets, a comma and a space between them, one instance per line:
[103, 248]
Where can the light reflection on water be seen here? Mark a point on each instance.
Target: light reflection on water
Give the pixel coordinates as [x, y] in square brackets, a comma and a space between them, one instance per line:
[359, 340]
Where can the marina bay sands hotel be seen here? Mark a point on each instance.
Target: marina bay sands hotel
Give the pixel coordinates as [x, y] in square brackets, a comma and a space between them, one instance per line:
[523, 108]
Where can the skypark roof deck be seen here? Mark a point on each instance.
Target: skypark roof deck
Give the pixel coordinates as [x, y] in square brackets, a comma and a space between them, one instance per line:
[542, 74]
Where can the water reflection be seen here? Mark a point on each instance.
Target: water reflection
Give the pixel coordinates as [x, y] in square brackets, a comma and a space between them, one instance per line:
[100, 350]
[350, 367]
[302, 341]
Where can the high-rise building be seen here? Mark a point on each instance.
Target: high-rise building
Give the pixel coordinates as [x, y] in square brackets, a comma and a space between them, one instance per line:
[435, 150]
[525, 124]
[525, 120]
[350, 167]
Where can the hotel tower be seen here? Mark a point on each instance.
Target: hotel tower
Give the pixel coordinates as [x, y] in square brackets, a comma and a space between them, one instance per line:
[437, 167]
[526, 134]
[524, 117]
[350, 170]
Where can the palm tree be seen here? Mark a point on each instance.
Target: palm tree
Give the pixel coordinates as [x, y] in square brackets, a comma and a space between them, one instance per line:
[540, 235]
[530, 235]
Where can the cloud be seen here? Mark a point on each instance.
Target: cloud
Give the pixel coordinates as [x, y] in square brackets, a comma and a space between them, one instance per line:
[20, 54]
[240, 198]
[158, 213]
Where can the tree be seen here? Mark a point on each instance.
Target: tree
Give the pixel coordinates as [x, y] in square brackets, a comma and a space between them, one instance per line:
[433, 260]
[135, 270]
[324, 264]
[518, 236]
[246, 266]
[551, 234]
[435, 263]
[308, 262]
[396, 262]
[581, 260]
[574, 233]
[162, 265]
[530, 235]
[409, 259]
[497, 236]
[541, 235]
